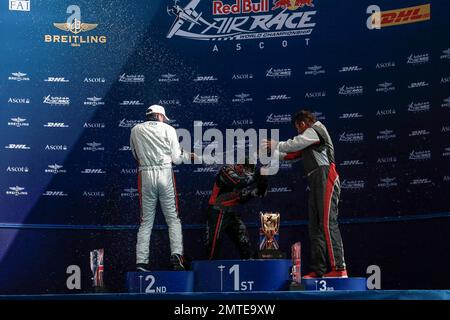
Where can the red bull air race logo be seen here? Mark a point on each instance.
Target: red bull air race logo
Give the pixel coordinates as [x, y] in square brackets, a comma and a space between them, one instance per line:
[240, 20]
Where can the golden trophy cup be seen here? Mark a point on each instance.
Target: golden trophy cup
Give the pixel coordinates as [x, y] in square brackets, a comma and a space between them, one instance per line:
[270, 226]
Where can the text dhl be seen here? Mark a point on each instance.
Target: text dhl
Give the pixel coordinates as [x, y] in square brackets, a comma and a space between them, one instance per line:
[75, 41]
[405, 15]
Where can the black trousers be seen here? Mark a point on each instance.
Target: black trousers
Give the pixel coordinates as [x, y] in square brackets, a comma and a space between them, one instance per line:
[220, 222]
[327, 251]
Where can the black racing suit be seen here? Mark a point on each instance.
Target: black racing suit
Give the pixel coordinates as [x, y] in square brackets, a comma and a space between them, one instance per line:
[233, 185]
[327, 251]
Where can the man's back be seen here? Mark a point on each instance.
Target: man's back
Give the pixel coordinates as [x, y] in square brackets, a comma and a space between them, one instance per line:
[152, 143]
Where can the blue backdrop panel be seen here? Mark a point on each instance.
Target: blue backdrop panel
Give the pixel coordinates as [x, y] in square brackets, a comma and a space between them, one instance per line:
[68, 99]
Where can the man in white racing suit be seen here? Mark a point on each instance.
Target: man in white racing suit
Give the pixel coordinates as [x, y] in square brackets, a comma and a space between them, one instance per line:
[155, 146]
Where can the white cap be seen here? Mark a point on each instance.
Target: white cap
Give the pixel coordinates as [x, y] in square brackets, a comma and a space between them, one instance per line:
[157, 109]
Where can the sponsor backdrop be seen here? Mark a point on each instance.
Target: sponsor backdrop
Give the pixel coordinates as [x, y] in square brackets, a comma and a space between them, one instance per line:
[76, 76]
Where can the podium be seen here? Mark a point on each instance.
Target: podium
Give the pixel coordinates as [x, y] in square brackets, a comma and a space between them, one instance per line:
[241, 275]
[160, 282]
[335, 284]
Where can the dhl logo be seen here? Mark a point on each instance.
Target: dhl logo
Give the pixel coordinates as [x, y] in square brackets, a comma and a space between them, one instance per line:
[381, 19]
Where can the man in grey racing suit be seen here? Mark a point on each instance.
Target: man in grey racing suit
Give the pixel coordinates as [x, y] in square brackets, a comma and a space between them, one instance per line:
[155, 146]
[313, 144]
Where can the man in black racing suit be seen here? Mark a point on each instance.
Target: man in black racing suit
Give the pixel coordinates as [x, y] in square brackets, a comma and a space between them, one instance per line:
[234, 184]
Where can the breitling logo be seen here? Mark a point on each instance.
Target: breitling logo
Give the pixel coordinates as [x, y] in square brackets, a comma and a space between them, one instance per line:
[75, 26]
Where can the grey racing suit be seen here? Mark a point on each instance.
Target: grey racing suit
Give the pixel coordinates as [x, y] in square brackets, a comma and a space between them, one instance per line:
[316, 149]
[155, 146]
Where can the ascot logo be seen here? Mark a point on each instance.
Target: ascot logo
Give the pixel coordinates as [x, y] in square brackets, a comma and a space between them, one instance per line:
[419, 181]
[94, 101]
[93, 194]
[385, 65]
[351, 115]
[19, 5]
[131, 103]
[124, 123]
[351, 90]
[387, 160]
[56, 79]
[93, 146]
[419, 106]
[56, 125]
[387, 183]
[350, 69]
[18, 122]
[353, 184]
[94, 125]
[55, 169]
[386, 135]
[19, 100]
[204, 78]
[242, 98]
[50, 193]
[242, 122]
[93, 171]
[279, 190]
[18, 76]
[445, 54]
[133, 171]
[168, 78]
[445, 80]
[242, 76]
[94, 80]
[351, 137]
[242, 24]
[56, 101]
[446, 103]
[278, 118]
[420, 155]
[385, 87]
[349, 163]
[17, 146]
[314, 71]
[279, 73]
[205, 99]
[74, 25]
[55, 147]
[418, 59]
[421, 84]
[169, 102]
[317, 94]
[132, 78]
[16, 191]
[130, 193]
[386, 112]
[416, 133]
[201, 193]
[278, 97]
[17, 169]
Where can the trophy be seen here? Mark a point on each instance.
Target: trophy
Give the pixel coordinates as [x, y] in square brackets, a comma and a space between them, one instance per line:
[296, 272]
[97, 268]
[268, 246]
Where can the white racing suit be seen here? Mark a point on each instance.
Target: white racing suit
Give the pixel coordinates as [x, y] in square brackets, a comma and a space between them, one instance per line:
[155, 146]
